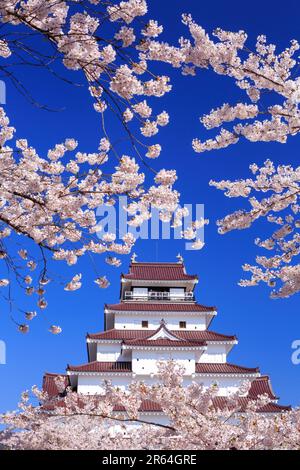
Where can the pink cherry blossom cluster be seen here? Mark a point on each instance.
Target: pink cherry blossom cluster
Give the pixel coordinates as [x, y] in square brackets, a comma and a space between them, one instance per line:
[279, 188]
[119, 80]
[112, 70]
[112, 420]
[256, 72]
[52, 200]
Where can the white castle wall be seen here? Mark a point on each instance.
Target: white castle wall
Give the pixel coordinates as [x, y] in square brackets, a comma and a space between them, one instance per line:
[145, 362]
[214, 353]
[227, 385]
[88, 384]
[111, 352]
[158, 418]
[132, 322]
[93, 384]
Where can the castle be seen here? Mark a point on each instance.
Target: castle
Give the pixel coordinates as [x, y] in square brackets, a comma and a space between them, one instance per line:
[158, 318]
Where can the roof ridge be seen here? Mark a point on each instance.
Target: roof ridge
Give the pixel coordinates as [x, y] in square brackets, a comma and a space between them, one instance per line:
[84, 364]
[221, 334]
[156, 263]
[181, 340]
[116, 365]
[180, 334]
[161, 340]
[189, 306]
[158, 271]
[54, 374]
[243, 367]
[149, 302]
[224, 367]
[263, 377]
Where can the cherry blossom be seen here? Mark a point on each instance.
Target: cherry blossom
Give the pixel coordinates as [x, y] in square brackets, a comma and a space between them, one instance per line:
[74, 284]
[113, 420]
[153, 151]
[255, 72]
[143, 109]
[4, 49]
[198, 244]
[42, 303]
[55, 330]
[126, 35]
[152, 29]
[127, 10]
[54, 200]
[102, 282]
[30, 315]
[113, 261]
[51, 200]
[112, 66]
[279, 188]
[23, 328]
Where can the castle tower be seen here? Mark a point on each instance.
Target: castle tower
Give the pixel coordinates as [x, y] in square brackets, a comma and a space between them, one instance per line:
[158, 318]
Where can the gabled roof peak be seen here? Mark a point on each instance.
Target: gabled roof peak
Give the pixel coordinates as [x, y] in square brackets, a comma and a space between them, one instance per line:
[134, 257]
[162, 332]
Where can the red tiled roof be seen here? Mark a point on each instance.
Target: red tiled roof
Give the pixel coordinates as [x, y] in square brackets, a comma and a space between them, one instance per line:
[192, 335]
[97, 366]
[173, 341]
[261, 386]
[49, 385]
[226, 368]
[164, 342]
[271, 407]
[159, 272]
[218, 403]
[274, 408]
[148, 405]
[205, 335]
[160, 307]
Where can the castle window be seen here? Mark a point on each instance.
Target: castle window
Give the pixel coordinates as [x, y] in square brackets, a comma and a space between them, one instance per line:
[182, 324]
[144, 323]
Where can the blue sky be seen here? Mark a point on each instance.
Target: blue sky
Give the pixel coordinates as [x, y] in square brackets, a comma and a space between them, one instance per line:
[265, 328]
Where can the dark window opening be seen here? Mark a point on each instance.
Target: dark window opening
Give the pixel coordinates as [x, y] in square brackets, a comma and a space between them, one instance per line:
[145, 324]
[159, 289]
[182, 324]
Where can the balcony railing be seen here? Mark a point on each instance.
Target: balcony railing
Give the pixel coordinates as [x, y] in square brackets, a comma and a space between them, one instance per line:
[168, 296]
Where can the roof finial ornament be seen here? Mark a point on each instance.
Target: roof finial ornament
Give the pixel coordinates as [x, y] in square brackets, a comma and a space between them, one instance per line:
[180, 258]
[162, 322]
[133, 257]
